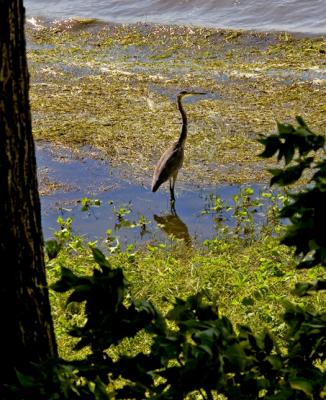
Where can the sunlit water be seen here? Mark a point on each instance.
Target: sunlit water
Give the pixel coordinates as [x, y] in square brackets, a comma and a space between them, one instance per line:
[95, 179]
[290, 15]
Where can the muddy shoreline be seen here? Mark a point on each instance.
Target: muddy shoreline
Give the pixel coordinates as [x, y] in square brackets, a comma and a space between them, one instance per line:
[112, 87]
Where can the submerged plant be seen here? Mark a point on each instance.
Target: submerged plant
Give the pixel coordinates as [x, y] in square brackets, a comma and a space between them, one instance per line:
[86, 203]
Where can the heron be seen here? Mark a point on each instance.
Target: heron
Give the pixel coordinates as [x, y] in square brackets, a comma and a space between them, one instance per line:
[172, 159]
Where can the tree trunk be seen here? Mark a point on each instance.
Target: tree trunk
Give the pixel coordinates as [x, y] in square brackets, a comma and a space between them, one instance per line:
[26, 333]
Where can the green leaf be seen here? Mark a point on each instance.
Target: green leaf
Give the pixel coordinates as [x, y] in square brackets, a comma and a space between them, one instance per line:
[80, 294]
[67, 281]
[236, 356]
[268, 343]
[207, 349]
[287, 176]
[288, 154]
[100, 390]
[302, 289]
[301, 123]
[52, 248]
[25, 380]
[272, 144]
[284, 129]
[100, 258]
[302, 384]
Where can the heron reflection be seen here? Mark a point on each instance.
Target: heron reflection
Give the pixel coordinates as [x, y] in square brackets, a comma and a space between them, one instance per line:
[171, 224]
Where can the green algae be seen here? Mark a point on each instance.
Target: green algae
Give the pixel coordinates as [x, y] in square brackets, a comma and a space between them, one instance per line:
[113, 87]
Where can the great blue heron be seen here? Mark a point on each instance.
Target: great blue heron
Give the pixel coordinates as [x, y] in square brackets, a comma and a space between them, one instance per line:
[172, 159]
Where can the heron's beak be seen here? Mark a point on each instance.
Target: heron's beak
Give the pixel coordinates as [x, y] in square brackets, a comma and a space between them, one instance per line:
[197, 93]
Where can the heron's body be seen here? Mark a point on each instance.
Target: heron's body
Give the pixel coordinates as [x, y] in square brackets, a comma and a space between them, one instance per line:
[168, 166]
[172, 159]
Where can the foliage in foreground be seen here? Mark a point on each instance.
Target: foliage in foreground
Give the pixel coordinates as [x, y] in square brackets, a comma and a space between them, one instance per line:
[195, 351]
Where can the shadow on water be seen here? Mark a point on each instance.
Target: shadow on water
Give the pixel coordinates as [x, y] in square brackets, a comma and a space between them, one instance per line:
[132, 212]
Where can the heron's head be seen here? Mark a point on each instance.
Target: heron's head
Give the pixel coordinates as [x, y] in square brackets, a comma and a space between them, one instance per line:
[189, 93]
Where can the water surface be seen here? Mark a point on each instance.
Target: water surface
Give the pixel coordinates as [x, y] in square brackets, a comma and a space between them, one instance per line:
[290, 15]
[124, 205]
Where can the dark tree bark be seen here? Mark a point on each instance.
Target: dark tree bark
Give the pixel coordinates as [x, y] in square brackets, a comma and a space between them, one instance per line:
[26, 333]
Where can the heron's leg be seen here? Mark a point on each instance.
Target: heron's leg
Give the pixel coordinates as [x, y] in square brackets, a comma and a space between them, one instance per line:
[172, 183]
[172, 198]
[172, 208]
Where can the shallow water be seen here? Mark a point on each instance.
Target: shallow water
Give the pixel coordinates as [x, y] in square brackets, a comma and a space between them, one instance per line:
[84, 176]
[290, 15]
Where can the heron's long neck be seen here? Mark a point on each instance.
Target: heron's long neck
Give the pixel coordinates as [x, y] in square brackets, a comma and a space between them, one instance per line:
[184, 130]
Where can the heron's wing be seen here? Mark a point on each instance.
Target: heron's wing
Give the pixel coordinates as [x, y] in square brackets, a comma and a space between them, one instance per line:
[169, 164]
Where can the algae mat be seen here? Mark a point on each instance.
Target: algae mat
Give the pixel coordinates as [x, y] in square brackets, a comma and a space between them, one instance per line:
[113, 87]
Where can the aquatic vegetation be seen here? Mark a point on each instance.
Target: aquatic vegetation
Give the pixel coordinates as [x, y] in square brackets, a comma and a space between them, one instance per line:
[114, 87]
[250, 282]
[180, 265]
[171, 335]
[86, 203]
